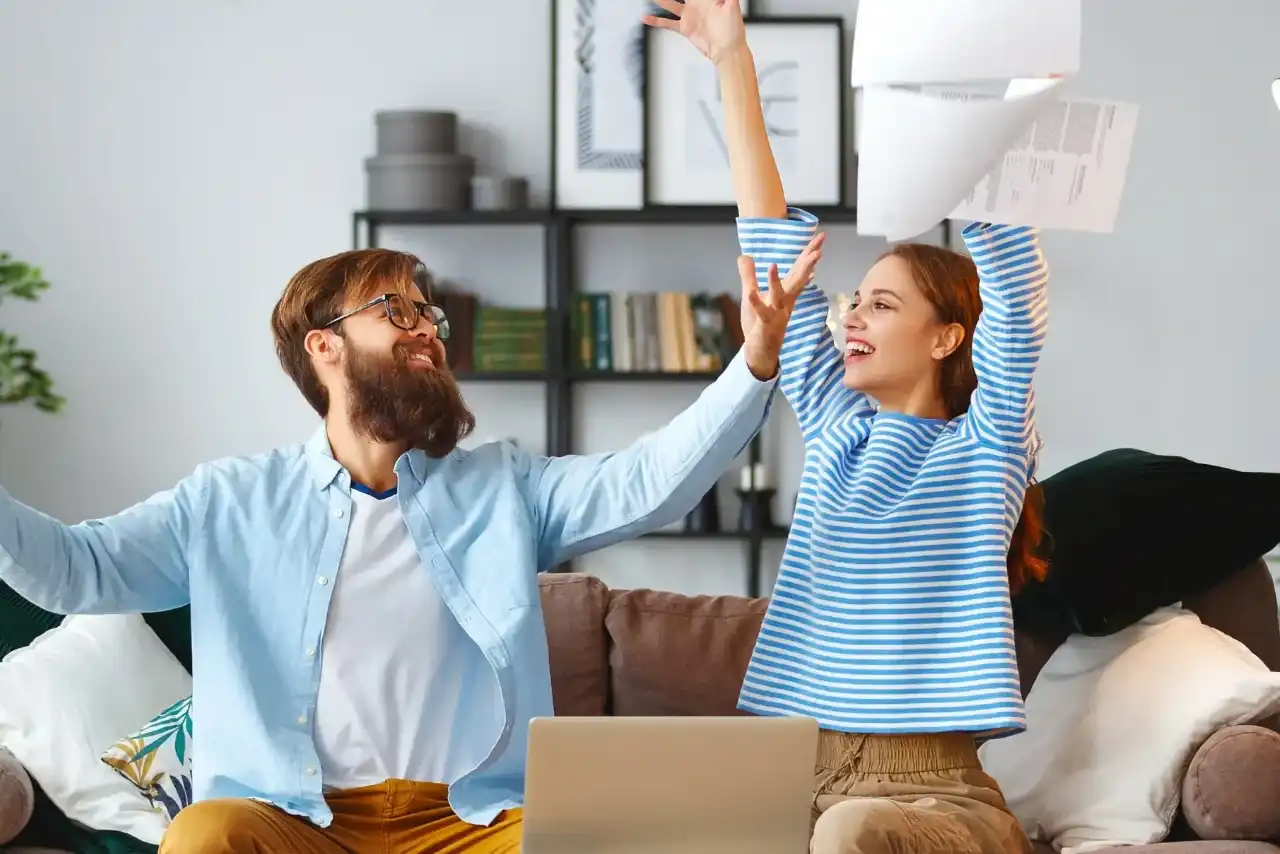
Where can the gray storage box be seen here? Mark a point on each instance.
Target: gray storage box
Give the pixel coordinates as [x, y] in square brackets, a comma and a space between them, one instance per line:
[493, 193]
[417, 132]
[419, 182]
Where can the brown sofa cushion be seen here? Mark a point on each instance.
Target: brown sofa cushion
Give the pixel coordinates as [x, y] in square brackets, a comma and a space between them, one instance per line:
[573, 606]
[1232, 786]
[680, 655]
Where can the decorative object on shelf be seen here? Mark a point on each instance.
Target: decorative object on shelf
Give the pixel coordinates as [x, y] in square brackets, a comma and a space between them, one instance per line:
[416, 131]
[22, 380]
[705, 517]
[799, 62]
[756, 513]
[418, 166]
[598, 50]
[499, 193]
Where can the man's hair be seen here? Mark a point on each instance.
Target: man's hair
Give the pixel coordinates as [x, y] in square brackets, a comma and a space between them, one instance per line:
[324, 290]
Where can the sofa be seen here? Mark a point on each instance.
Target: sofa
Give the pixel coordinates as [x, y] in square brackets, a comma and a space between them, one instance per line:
[612, 653]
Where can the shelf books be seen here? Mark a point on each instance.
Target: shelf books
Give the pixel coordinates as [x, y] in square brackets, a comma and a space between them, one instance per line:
[665, 332]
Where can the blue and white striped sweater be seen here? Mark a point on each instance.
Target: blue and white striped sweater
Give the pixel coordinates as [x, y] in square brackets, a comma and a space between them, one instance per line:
[891, 610]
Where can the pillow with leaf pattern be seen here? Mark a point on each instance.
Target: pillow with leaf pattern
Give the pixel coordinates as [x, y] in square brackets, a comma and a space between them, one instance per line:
[157, 759]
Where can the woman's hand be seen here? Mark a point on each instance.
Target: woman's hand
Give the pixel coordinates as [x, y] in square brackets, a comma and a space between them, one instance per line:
[714, 27]
[765, 317]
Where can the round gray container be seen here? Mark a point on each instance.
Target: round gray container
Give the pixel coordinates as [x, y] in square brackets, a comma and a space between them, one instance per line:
[419, 182]
[493, 193]
[417, 132]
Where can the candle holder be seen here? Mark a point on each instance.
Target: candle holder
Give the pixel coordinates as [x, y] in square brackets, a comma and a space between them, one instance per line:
[756, 512]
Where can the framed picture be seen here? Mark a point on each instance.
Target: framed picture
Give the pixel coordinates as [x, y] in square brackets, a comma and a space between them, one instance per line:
[598, 124]
[800, 66]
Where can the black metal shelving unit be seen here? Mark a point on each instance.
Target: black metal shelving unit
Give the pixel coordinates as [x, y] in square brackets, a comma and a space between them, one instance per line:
[560, 284]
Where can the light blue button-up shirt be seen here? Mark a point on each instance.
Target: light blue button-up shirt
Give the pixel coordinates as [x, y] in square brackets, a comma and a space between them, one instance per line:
[253, 544]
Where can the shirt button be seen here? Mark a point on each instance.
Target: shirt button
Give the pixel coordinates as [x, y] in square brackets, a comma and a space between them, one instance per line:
[302, 719]
[311, 652]
[311, 772]
[337, 513]
[322, 580]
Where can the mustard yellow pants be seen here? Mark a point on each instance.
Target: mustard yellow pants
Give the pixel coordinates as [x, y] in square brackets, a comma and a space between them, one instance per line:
[395, 817]
[908, 794]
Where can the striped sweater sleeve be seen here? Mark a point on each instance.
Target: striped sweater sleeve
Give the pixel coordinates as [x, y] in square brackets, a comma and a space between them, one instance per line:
[1008, 339]
[812, 368]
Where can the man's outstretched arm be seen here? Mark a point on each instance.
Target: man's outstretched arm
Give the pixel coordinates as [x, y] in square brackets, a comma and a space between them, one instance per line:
[584, 503]
[588, 502]
[134, 561]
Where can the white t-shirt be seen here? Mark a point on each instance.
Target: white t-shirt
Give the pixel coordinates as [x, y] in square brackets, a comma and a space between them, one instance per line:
[396, 666]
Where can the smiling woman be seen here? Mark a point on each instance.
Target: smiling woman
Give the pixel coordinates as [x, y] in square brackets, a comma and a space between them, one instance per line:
[890, 621]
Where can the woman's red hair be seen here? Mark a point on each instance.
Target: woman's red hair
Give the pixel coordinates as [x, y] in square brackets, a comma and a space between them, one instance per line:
[949, 281]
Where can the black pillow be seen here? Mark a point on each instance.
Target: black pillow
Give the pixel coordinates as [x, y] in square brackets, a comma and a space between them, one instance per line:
[1129, 531]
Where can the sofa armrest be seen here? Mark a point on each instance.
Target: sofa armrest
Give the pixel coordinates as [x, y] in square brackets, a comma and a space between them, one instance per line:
[17, 798]
[1232, 786]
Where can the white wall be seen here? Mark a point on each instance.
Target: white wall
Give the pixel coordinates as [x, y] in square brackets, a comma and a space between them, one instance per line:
[171, 164]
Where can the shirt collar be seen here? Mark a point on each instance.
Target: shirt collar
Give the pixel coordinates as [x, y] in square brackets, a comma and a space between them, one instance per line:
[324, 467]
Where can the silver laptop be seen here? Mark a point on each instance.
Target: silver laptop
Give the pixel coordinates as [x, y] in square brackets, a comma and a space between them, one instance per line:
[669, 785]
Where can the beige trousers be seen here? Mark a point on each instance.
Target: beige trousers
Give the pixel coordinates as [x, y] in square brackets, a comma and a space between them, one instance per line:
[908, 794]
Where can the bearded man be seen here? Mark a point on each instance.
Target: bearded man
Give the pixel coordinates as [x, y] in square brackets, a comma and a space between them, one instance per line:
[368, 645]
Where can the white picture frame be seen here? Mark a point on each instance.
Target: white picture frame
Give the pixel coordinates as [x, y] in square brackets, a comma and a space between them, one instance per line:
[800, 63]
[598, 121]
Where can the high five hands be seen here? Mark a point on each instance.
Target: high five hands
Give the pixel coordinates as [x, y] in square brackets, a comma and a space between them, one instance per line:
[714, 27]
[765, 316]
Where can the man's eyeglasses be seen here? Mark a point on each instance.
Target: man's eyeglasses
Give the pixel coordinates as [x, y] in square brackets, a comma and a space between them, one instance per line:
[404, 313]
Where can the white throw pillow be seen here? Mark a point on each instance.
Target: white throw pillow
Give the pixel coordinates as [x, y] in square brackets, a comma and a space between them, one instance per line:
[70, 695]
[1112, 724]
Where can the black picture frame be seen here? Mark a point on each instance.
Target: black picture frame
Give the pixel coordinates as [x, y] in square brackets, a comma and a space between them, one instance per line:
[585, 176]
[837, 197]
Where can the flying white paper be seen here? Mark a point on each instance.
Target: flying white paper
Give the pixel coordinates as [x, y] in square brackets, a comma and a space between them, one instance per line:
[1066, 172]
[925, 150]
[961, 118]
[927, 41]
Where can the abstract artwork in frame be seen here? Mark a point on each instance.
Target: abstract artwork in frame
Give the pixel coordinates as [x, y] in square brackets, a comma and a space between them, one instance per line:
[800, 69]
[599, 87]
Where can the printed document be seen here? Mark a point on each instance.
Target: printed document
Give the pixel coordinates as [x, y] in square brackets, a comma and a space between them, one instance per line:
[963, 116]
[1066, 172]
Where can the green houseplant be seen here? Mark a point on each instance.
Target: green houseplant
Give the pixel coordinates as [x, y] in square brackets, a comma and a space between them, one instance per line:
[21, 378]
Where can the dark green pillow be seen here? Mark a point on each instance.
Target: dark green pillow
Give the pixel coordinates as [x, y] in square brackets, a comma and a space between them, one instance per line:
[49, 828]
[1129, 531]
[174, 630]
[20, 621]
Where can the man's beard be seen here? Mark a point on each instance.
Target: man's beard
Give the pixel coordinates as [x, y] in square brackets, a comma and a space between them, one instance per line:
[393, 403]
